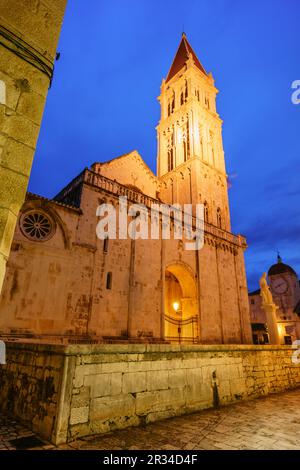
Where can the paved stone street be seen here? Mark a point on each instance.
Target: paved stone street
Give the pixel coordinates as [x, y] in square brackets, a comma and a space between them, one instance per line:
[266, 423]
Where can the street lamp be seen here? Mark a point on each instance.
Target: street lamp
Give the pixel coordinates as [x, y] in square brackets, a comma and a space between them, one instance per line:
[176, 307]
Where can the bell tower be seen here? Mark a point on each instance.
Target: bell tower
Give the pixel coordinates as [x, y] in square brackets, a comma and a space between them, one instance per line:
[190, 160]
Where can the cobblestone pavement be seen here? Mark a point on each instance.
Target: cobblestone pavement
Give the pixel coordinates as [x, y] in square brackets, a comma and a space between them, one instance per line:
[11, 430]
[272, 422]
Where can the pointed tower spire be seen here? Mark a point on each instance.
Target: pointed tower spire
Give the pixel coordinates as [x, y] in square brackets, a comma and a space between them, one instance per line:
[181, 56]
[189, 139]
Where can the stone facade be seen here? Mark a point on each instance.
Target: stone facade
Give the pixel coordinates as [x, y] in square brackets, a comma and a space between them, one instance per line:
[65, 392]
[29, 33]
[63, 281]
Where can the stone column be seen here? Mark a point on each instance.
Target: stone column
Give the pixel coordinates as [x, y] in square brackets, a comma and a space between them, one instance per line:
[29, 34]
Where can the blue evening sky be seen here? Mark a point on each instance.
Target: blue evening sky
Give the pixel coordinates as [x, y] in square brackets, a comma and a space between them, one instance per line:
[114, 54]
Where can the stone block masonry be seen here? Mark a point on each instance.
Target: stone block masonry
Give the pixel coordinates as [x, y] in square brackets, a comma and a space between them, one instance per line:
[29, 34]
[64, 392]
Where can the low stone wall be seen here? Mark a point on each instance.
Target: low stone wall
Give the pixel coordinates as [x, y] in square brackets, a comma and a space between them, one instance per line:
[30, 385]
[71, 391]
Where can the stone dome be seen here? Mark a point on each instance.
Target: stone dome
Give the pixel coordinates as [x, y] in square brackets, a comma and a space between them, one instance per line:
[280, 268]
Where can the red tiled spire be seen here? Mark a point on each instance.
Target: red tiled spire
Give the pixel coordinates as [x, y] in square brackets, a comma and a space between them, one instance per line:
[182, 56]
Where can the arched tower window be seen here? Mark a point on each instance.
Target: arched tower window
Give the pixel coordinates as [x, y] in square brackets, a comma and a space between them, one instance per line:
[219, 218]
[206, 215]
[186, 142]
[212, 144]
[188, 138]
[170, 159]
[170, 150]
[173, 102]
[207, 101]
[201, 139]
[184, 150]
[169, 109]
[186, 90]
[181, 98]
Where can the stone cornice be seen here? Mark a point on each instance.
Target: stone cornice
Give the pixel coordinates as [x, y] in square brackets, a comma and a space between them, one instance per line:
[161, 349]
[116, 189]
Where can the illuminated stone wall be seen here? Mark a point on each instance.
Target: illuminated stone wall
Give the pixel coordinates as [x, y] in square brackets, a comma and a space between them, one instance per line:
[66, 392]
[57, 286]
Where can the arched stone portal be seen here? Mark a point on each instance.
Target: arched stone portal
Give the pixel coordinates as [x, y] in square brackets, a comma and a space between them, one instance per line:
[181, 306]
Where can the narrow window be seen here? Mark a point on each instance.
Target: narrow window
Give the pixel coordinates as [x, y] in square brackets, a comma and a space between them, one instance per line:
[108, 280]
[172, 138]
[170, 160]
[219, 218]
[186, 90]
[181, 98]
[169, 110]
[188, 139]
[206, 101]
[184, 151]
[212, 143]
[105, 245]
[173, 103]
[206, 212]
[287, 339]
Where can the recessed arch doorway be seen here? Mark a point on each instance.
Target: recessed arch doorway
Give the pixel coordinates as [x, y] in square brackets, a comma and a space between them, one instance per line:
[181, 305]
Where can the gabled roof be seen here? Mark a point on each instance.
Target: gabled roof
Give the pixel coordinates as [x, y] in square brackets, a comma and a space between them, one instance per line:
[182, 56]
[33, 196]
[133, 154]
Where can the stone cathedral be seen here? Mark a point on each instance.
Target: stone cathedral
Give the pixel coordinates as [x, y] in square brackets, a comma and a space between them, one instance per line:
[63, 284]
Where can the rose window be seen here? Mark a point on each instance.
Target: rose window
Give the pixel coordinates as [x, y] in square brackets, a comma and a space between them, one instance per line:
[36, 226]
